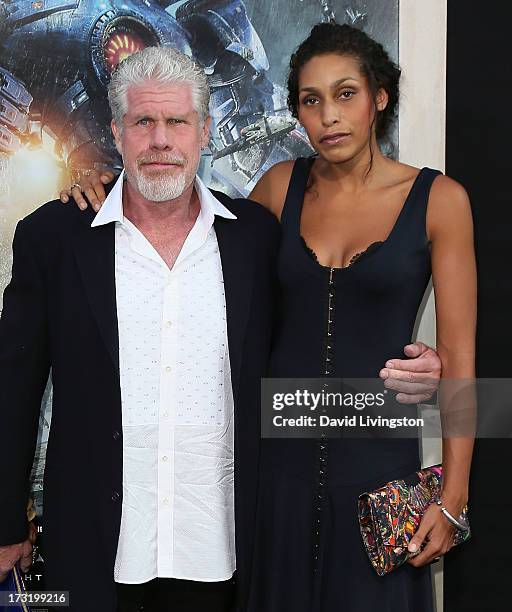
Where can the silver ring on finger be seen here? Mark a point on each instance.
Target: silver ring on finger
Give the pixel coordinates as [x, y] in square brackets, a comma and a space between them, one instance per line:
[77, 186]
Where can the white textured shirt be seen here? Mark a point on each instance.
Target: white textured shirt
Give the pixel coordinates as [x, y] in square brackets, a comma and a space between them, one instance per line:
[177, 402]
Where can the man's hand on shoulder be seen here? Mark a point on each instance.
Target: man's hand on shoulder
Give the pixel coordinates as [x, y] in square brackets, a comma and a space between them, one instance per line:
[415, 379]
[89, 190]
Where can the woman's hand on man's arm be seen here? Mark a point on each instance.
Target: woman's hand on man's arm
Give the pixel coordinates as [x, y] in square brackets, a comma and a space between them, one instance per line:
[90, 189]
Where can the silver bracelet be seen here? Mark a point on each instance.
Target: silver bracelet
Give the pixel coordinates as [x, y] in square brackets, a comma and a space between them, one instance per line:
[458, 524]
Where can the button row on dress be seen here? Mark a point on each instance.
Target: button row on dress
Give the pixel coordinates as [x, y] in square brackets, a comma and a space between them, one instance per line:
[320, 498]
[322, 446]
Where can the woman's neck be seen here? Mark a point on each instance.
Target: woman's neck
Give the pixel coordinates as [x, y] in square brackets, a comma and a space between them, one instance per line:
[356, 174]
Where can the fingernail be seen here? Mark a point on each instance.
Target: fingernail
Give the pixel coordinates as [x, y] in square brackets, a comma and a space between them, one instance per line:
[384, 373]
[413, 547]
[389, 364]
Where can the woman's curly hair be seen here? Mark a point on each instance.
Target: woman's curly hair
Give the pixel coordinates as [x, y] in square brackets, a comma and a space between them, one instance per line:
[375, 64]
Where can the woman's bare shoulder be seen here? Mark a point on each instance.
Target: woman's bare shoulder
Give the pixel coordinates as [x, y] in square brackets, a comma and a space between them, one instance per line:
[446, 187]
[448, 196]
[448, 205]
[270, 190]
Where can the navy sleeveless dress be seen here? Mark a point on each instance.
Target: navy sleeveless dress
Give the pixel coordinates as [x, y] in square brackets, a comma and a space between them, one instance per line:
[340, 322]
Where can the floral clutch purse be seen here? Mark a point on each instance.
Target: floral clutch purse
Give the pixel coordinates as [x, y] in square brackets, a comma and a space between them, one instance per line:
[390, 515]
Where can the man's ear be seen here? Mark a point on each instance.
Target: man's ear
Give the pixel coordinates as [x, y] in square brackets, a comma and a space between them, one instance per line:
[205, 132]
[117, 136]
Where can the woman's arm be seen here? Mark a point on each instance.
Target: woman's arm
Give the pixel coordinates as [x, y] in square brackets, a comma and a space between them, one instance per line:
[454, 280]
[270, 190]
[450, 231]
[90, 189]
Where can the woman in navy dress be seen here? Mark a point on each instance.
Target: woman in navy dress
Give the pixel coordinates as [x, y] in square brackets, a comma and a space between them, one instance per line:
[361, 236]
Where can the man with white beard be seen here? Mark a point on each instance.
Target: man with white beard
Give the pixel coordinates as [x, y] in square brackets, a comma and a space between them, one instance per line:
[155, 317]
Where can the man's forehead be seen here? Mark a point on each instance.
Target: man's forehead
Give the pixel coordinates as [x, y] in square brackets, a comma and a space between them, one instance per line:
[159, 95]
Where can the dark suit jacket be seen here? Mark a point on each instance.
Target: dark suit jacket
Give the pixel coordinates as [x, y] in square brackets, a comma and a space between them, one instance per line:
[59, 312]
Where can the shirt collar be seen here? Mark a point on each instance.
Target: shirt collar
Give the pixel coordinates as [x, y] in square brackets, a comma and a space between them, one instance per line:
[112, 209]
[209, 202]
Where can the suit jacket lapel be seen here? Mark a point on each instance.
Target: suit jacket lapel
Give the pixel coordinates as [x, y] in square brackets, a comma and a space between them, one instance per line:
[238, 282]
[95, 255]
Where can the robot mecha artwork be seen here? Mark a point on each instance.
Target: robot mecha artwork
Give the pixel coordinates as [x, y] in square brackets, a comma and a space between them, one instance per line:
[56, 57]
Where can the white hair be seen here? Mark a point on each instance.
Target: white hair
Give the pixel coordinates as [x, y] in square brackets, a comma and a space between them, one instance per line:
[163, 65]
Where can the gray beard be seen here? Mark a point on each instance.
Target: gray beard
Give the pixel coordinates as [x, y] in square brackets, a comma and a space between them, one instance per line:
[160, 188]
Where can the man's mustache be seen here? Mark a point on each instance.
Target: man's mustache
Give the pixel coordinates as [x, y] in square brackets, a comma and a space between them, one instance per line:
[161, 159]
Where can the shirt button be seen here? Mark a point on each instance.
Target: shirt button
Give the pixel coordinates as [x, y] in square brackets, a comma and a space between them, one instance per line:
[166, 415]
[166, 501]
[164, 458]
[168, 323]
[168, 369]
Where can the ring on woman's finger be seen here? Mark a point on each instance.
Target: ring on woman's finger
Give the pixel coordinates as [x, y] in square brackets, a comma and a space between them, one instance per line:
[77, 185]
[436, 559]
